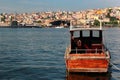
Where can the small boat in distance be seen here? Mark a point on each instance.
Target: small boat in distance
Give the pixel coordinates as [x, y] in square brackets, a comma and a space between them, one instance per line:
[87, 52]
[59, 27]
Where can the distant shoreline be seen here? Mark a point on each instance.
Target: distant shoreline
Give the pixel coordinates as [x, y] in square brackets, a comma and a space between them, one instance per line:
[20, 26]
[30, 26]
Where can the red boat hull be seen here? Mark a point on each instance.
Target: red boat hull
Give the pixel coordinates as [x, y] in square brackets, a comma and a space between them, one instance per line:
[87, 63]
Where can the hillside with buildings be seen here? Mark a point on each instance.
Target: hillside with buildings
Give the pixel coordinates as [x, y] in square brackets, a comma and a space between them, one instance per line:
[109, 17]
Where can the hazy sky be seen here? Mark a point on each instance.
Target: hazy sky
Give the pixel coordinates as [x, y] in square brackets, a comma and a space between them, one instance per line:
[54, 5]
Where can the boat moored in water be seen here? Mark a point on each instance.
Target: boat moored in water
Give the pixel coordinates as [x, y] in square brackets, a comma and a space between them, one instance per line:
[87, 52]
[59, 27]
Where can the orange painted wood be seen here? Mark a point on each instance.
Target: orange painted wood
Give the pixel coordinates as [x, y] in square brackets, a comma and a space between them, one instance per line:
[87, 63]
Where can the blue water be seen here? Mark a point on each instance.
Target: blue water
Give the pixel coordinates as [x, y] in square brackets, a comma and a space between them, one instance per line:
[38, 54]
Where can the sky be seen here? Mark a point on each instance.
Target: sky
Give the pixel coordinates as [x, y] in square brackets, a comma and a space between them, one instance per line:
[21, 6]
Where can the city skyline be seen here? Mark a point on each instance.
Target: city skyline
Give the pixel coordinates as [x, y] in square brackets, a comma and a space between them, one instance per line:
[21, 6]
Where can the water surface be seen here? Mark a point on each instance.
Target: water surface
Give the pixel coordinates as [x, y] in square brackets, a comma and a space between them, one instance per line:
[38, 54]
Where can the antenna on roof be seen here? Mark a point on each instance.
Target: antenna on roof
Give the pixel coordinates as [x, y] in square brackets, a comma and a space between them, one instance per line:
[100, 24]
[71, 26]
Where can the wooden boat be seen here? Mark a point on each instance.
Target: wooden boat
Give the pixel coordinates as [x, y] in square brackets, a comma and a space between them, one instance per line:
[87, 52]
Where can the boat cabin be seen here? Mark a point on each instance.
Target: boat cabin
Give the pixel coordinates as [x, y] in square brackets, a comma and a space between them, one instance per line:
[86, 41]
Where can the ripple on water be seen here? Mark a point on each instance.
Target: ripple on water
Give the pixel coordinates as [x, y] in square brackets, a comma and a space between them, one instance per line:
[38, 54]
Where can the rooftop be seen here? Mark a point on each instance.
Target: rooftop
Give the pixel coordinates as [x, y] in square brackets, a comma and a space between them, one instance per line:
[72, 28]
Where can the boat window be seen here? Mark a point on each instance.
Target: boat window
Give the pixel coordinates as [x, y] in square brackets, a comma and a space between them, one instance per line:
[76, 34]
[86, 33]
[95, 33]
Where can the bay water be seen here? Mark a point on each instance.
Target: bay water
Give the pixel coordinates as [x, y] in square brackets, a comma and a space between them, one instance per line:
[38, 54]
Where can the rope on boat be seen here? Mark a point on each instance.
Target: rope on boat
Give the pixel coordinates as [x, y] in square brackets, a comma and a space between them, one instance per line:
[117, 68]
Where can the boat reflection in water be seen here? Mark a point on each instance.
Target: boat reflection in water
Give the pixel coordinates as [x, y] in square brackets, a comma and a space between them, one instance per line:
[88, 76]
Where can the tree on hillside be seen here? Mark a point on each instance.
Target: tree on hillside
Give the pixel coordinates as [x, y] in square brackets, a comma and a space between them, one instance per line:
[108, 14]
[3, 19]
[96, 23]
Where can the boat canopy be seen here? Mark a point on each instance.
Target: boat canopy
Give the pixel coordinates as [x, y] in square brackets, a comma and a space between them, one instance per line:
[84, 28]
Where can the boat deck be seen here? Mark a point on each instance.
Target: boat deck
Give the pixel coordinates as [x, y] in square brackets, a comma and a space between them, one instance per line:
[87, 62]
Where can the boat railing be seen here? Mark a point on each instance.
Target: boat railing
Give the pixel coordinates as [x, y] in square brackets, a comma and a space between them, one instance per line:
[77, 51]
